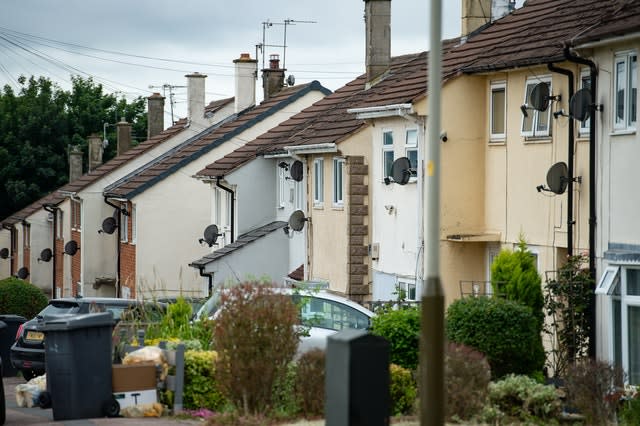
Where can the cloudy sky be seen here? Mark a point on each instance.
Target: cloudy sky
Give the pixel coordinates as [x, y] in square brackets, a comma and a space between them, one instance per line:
[129, 45]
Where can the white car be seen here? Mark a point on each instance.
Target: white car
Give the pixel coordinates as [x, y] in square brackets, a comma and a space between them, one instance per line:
[322, 313]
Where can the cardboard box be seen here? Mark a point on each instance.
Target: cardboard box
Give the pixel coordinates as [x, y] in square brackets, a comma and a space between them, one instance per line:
[133, 377]
[128, 399]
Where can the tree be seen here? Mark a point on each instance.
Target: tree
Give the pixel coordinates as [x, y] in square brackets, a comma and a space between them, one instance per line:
[38, 124]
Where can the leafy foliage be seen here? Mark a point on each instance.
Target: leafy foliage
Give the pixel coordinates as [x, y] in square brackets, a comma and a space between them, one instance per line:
[401, 328]
[38, 124]
[19, 297]
[309, 384]
[403, 390]
[505, 331]
[468, 375]
[177, 324]
[256, 339]
[200, 387]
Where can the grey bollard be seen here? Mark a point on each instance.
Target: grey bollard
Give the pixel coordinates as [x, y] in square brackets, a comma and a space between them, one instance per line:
[357, 379]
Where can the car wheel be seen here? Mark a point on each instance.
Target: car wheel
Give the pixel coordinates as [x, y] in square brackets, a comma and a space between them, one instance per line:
[3, 413]
[44, 399]
[111, 408]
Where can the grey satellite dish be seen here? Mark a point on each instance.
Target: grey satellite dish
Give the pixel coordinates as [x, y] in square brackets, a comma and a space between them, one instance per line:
[557, 178]
[539, 97]
[296, 170]
[4, 253]
[23, 273]
[71, 248]
[46, 255]
[291, 80]
[297, 220]
[210, 235]
[401, 170]
[109, 225]
[579, 104]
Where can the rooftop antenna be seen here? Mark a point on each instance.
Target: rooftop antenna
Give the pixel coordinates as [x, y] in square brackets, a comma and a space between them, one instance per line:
[164, 88]
[267, 24]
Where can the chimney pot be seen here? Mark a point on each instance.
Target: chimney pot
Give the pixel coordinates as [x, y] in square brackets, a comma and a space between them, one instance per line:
[75, 162]
[95, 151]
[123, 134]
[155, 115]
[274, 61]
[195, 97]
[245, 82]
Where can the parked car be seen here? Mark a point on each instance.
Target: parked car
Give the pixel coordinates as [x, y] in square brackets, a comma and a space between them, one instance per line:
[27, 353]
[322, 314]
[3, 411]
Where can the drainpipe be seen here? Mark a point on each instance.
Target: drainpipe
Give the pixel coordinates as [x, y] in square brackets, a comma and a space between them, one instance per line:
[210, 277]
[53, 210]
[12, 237]
[592, 188]
[125, 212]
[233, 203]
[570, 221]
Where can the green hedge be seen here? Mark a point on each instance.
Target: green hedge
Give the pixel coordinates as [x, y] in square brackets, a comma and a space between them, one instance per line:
[19, 297]
[401, 328]
[200, 387]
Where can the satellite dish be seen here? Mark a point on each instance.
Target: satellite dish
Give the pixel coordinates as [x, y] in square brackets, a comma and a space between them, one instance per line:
[401, 170]
[297, 220]
[23, 273]
[71, 248]
[109, 225]
[291, 80]
[4, 253]
[210, 235]
[579, 104]
[539, 97]
[46, 255]
[557, 178]
[296, 170]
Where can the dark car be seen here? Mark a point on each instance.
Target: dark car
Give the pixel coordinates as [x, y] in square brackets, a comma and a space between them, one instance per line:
[3, 412]
[27, 353]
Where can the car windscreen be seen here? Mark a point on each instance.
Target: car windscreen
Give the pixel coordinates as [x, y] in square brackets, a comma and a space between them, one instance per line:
[55, 308]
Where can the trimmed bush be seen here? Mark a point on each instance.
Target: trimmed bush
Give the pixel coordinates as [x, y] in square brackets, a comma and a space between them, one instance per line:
[403, 390]
[200, 387]
[505, 331]
[309, 385]
[467, 385]
[19, 297]
[401, 328]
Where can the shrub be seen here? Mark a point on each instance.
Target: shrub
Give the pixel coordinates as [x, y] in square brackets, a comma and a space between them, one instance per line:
[521, 398]
[401, 328]
[403, 390]
[468, 376]
[594, 388]
[19, 297]
[200, 387]
[309, 384]
[177, 324]
[505, 331]
[256, 338]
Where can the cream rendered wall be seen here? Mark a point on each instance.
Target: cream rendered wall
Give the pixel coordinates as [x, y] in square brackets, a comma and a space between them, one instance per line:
[41, 238]
[5, 264]
[172, 214]
[327, 230]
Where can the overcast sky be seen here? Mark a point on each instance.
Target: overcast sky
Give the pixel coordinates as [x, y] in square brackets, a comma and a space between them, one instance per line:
[120, 42]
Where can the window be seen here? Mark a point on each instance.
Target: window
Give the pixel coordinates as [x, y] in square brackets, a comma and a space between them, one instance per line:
[26, 236]
[411, 150]
[318, 182]
[338, 182]
[407, 290]
[60, 224]
[76, 222]
[218, 206]
[585, 83]
[626, 91]
[299, 190]
[536, 123]
[282, 186]
[387, 152]
[329, 314]
[124, 225]
[498, 110]
[134, 224]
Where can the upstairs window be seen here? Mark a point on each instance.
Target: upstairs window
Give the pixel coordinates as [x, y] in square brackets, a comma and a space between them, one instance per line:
[626, 91]
[585, 83]
[318, 182]
[498, 109]
[134, 224]
[387, 153]
[26, 241]
[282, 186]
[411, 150]
[338, 182]
[124, 225]
[60, 224]
[76, 222]
[536, 123]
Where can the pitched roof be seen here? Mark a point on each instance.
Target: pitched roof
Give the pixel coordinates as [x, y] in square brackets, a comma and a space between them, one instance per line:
[620, 21]
[149, 175]
[215, 106]
[87, 179]
[242, 241]
[327, 120]
[531, 35]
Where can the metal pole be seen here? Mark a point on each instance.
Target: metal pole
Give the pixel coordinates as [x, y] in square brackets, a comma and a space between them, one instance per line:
[432, 395]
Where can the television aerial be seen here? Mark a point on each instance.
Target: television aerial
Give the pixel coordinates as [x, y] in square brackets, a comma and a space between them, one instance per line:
[211, 235]
[297, 220]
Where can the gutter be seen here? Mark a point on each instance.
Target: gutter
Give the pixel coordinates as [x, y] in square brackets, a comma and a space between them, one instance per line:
[312, 149]
[592, 188]
[608, 41]
[233, 206]
[124, 212]
[381, 111]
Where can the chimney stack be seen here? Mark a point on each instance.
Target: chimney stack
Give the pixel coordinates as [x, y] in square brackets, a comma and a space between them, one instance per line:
[195, 98]
[123, 133]
[377, 16]
[75, 162]
[155, 115]
[476, 13]
[95, 151]
[272, 77]
[245, 82]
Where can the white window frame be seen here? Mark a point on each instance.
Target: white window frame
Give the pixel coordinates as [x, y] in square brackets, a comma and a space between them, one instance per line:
[409, 288]
[628, 60]
[585, 83]
[535, 115]
[386, 149]
[218, 207]
[124, 226]
[318, 182]
[282, 187]
[495, 87]
[411, 146]
[299, 195]
[338, 181]
[60, 224]
[134, 224]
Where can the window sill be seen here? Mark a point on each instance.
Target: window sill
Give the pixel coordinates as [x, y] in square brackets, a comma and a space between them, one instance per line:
[318, 206]
[497, 142]
[625, 132]
[537, 139]
[337, 207]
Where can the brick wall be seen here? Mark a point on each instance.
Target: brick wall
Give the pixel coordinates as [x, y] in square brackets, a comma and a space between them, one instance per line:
[76, 260]
[358, 211]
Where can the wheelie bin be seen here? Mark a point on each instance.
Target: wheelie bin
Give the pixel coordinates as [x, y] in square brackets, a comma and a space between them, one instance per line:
[78, 366]
[7, 338]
